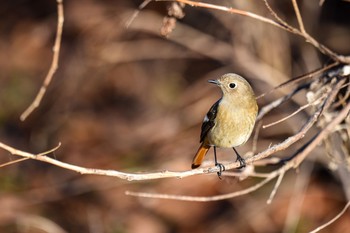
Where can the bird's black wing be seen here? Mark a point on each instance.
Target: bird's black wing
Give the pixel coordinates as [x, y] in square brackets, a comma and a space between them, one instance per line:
[208, 121]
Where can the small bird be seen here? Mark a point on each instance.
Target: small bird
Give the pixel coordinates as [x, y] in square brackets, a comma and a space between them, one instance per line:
[230, 121]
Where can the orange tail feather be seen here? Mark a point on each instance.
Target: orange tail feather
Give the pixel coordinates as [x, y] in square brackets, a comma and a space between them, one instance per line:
[198, 158]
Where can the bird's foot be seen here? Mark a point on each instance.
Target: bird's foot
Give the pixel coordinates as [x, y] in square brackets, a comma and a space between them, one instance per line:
[221, 169]
[241, 161]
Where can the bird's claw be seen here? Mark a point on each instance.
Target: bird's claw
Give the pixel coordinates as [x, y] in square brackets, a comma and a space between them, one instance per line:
[241, 162]
[221, 169]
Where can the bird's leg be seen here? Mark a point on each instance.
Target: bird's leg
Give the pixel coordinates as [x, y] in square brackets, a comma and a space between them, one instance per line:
[221, 166]
[239, 158]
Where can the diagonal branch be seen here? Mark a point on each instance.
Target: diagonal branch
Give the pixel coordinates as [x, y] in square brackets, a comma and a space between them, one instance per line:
[275, 15]
[299, 18]
[274, 104]
[301, 78]
[323, 49]
[13, 162]
[233, 11]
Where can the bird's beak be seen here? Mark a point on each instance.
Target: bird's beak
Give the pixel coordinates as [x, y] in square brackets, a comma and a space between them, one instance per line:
[214, 82]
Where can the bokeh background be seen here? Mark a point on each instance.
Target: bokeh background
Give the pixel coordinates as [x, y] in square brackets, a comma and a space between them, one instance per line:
[131, 99]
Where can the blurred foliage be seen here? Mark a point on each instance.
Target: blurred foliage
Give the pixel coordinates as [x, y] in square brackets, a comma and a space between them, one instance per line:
[130, 99]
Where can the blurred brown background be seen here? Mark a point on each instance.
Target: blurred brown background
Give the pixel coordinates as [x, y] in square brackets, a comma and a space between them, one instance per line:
[132, 100]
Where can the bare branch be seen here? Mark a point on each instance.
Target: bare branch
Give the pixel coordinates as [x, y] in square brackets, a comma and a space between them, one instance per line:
[136, 12]
[113, 173]
[274, 104]
[256, 136]
[202, 199]
[323, 49]
[274, 14]
[299, 18]
[278, 183]
[54, 64]
[13, 162]
[295, 112]
[231, 10]
[301, 78]
[287, 117]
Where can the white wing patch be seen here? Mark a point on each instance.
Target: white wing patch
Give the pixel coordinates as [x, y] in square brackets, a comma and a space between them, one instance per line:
[206, 119]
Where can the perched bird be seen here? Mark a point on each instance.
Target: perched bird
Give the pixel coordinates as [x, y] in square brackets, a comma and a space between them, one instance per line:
[230, 121]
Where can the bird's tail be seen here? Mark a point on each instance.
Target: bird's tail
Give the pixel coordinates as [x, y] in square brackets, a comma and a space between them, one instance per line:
[198, 158]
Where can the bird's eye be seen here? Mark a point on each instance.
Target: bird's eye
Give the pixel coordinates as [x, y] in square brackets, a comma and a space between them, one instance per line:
[232, 85]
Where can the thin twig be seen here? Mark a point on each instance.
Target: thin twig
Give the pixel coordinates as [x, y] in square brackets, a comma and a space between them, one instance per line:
[13, 162]
[136, 12]
[54, 63]
[332, 220]
[295, 112]
[201, 199]
[274, 104]
[278, 183]
[274, 14]
[299, 18]
[256, 136]
[287, 117]
[301, 78]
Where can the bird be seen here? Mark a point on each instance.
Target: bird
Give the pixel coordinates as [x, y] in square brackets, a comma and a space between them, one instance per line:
[230, 121]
